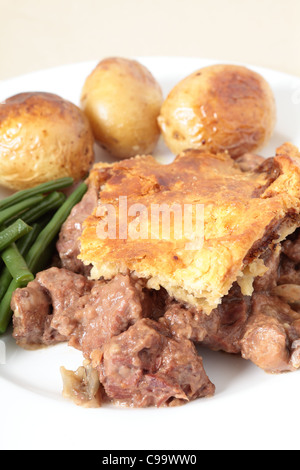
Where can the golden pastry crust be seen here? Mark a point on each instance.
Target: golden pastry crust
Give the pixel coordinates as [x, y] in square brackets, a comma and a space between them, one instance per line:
[244, 212]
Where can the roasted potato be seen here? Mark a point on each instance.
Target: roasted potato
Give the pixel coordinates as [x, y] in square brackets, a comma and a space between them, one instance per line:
[42, 137]
[219, 108]
[122, 101]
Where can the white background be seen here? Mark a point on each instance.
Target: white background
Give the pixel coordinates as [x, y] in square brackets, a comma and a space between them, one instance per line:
[38, 34]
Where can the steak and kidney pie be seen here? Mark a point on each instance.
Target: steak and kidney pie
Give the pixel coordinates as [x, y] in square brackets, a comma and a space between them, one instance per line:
[137, 299]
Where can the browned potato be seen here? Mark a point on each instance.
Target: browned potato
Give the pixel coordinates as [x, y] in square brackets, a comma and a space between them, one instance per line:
[122, 101]
[42, 137]
[218, 108]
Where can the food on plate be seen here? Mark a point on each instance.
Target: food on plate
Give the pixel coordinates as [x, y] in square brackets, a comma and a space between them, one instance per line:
[43, 137]
[68, 244]
[122, 101]
[148, 351]
[152, 260]
[26, 249]
[105, 320]
[43, 188]
[136, 307]
[232, 276]
[219, 108]
[12, 233]
[249, 208]
[82, 386]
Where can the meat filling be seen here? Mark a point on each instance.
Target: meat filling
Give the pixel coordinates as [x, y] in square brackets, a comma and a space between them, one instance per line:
[107, 310]
[63, 306]
[264, 328]
[221, 330]
[145, 366]
[68, 245]
[36, 306]
[139, 343]
[272, 334]
[95, 317]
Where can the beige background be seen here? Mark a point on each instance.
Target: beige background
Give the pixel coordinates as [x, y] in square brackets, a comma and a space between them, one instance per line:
[38, 34]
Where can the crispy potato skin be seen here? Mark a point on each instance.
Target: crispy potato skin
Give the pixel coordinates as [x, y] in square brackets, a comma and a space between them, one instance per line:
[219, 108]
[42, 137]
[122, 101]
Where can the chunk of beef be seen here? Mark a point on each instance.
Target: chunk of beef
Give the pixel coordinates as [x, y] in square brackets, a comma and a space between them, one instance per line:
[68, 245]
[269, 280]
[64, 306]
[272, 335]
[156, 302]
[36, 306]
[105, 311]
[64, 287]
[186, 322]
[221, 330]
[145, 366]
[291, 248]
[263, 328]
[32, 316]
[289, 272]
[230, 319]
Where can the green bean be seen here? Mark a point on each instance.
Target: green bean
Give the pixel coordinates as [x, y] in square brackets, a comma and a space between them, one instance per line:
[43, 188]
[34, 259]
[39, 252]
[13, 233]
[5, 308]
[23, 245]
[5, 280]
[17, 209]
[16, 264]
[50, 203]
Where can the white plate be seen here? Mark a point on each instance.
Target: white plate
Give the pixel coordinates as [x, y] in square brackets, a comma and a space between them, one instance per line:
[251, 410]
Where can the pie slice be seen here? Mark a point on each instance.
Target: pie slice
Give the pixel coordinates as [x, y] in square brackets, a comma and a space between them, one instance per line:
[233, 217]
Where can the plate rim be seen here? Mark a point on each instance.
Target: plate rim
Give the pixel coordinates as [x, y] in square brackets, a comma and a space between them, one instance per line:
[93, 62]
